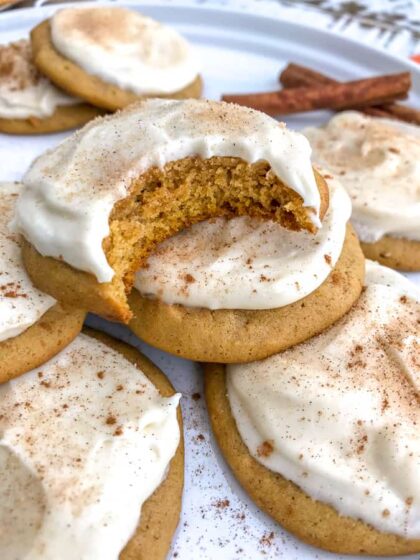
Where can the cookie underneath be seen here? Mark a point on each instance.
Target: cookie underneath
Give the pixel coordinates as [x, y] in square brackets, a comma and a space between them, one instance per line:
[313, 522]
[72, 78]
[63, 118]
[232, 336]
[395, 252]
[40, 342]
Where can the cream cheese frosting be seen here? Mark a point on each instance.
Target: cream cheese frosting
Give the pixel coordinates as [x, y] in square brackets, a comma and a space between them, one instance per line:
[141, 54]
[84, 441]
[378, 162]
[24, 93]
[246, 263]
[69, 191]
[21, 304]
[339, 415]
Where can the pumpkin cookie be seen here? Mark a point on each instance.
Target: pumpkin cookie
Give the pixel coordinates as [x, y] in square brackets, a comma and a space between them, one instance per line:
[33, 326]
[377, 162]
[97, 205]
[398, 253]
[143, 58]
[31, 104]
[241, 290]
[95, 416]
[324, 437]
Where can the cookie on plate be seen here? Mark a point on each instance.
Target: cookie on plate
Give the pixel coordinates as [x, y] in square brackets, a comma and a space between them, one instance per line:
[91, 445]
[112, 56]
[242, 289]
[33, 326]
[377, 161]
[29, 102]
[324, 436]
[96, 206]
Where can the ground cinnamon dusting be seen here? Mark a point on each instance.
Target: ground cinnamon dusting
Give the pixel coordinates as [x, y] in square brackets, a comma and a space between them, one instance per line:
[222, 504]
[265, 449]
[267, 539]
[16, 69]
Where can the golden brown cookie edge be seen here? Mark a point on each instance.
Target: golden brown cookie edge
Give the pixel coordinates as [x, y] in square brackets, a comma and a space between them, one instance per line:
[398, 253]
[63, 118]
[40, 342]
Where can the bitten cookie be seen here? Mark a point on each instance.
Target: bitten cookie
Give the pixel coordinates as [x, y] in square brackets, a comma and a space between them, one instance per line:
[33, 326]
[324, 437]
[31, 104]
[97, 205]
[143, 57]
[377, 161]
[100, 443]
[241, 290]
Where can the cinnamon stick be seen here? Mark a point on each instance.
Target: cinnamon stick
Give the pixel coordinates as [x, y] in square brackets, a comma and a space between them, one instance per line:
[358, 93]
[295, 75]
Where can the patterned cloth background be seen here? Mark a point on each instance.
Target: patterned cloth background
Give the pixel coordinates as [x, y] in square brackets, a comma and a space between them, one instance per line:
[390, 24]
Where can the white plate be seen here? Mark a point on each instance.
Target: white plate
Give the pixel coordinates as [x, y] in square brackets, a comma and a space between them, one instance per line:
[240, 52]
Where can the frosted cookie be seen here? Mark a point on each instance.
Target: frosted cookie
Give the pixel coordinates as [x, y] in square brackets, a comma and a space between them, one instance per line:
[31, 104]
[324, 436]
[91, 456]
[113, 56]
[95, 207]
[243, 289]
[378, 161]
[33, 326]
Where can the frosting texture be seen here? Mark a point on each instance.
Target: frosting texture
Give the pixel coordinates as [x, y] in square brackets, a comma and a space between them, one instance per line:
[84, 441]
[378, 162]
[69, 191]
[21, 304]
[339, 415]
[24, 92]
[246, 263]
[141, 54]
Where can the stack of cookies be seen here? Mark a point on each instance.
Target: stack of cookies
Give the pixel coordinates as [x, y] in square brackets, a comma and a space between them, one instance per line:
[57, 80]
[207, 229]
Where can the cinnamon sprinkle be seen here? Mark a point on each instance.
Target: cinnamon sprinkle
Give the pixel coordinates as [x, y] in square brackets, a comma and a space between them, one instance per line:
[265, 449]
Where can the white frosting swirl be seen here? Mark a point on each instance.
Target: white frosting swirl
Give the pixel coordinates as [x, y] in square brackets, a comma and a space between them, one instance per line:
[378, 162]
[24, 93]
[246, 263]
[84, 441]
[339, 415]
[21, 304]
[69, 192]
[141, 54]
